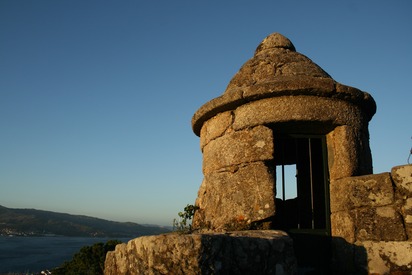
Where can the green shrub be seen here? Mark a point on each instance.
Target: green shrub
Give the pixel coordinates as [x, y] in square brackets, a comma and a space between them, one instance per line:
[88, 261]
[183, 223]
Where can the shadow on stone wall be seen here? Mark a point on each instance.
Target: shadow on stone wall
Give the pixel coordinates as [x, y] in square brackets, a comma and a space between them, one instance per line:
[263, 252]
[238, 252]
[348, 258]
[320, 254]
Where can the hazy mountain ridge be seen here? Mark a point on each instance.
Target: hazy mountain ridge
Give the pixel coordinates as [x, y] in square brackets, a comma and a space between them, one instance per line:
[32, 222]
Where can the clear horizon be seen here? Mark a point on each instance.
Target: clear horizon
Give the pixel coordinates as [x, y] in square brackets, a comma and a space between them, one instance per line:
[96, 97]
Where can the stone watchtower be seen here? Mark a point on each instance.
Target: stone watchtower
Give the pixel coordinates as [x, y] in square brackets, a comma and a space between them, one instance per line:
[285, 147]
[281, 112]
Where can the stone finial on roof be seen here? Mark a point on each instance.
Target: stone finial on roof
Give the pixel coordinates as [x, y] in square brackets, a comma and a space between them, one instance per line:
[275, 65]
[275, 40]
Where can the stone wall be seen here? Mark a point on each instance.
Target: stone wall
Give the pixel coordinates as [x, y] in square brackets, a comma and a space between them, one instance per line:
[375, 212]
[245, 252]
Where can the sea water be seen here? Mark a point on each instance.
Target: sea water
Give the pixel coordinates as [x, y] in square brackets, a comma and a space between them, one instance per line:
[35, 254]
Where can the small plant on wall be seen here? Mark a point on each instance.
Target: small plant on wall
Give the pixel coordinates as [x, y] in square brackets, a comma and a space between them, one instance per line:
[183, 224]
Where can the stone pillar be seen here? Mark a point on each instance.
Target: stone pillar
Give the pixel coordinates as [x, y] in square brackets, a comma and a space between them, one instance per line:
[238, 187]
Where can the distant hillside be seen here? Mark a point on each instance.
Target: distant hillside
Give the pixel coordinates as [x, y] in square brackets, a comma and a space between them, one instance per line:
[32, 222]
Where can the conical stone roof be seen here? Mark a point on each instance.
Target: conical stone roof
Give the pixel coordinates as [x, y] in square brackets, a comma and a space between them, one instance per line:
[276, 69]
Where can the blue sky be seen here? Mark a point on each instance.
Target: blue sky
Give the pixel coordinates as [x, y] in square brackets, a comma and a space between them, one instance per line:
[96, 97]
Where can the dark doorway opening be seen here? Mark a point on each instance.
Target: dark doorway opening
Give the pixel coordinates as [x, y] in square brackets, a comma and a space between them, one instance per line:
[302, 198]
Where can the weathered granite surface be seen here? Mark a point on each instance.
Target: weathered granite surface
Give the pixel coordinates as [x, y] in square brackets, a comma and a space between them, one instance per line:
[389, 257]
[365, 208]
[362, 191]
[348, 152]
[402, 178]
[253, 198]
[374, 212]
[245, 146]
[243, 252]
